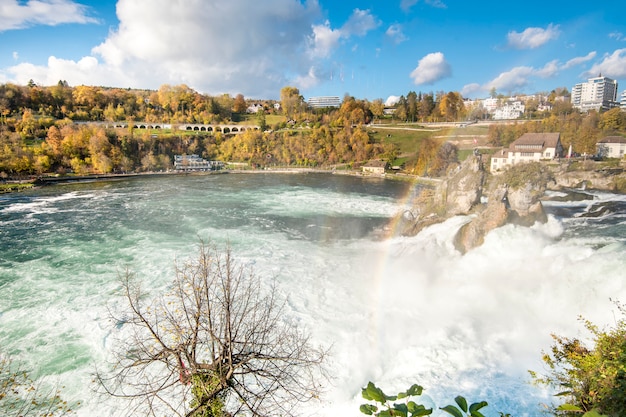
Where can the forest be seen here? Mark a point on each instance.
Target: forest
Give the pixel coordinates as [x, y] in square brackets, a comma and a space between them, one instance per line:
[51, 130]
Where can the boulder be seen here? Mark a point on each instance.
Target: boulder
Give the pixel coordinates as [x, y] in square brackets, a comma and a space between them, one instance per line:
[463, 190]
[513, 197]
[457, 194]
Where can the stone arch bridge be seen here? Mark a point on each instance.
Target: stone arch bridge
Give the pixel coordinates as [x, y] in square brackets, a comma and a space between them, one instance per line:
[193, 127]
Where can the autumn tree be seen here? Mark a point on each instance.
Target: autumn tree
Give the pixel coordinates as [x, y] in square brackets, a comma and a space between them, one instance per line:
[447, 154]
[426, 157]
[290, 100]
[217, 344]
[613, 120]
[239, 104]
[377, 108]
[451, 106]
[590, 376]
[426, 106]
[411, 105]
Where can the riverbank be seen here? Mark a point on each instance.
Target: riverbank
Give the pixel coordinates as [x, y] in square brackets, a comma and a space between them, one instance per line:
[21, 185]
[15, 187]
[600, 179]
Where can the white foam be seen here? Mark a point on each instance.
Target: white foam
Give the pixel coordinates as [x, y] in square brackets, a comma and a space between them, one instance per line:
[396, 312]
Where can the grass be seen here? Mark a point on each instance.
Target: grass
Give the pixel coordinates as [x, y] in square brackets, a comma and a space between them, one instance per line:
[270, 119]
[407, 141]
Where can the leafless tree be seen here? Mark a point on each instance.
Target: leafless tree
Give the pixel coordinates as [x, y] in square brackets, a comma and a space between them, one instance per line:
[216, 345]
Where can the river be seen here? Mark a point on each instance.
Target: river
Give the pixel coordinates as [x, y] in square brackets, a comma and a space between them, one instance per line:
[396, 312]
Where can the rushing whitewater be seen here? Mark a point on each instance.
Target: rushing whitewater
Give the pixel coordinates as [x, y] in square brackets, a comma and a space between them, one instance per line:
[396, 312]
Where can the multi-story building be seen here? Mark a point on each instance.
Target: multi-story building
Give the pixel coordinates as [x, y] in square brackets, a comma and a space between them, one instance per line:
[324, 101]
[509, 111]
[598, 93]
[622, 101]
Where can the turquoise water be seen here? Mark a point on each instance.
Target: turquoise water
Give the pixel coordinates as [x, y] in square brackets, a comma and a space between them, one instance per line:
[396, 311]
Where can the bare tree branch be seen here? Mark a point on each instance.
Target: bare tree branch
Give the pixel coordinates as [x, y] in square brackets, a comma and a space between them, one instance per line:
[217, 344]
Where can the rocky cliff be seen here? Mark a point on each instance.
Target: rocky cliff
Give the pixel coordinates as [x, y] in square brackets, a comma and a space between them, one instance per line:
[511, 197]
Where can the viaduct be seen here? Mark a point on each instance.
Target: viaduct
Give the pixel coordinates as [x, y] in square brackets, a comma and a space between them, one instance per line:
[225, 128]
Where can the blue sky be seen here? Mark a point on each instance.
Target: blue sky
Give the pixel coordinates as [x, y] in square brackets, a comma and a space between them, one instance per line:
[368, 49]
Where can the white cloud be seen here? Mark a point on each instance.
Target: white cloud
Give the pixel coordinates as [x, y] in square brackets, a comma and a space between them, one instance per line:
[532, 38]
[86, 71]
[359, 23]
[214, 47]
[323, 41]
[406, 5]
[15, 55]
[579, 60]
[550, 69]
[520, 77]
[396, 34]
[613, 66]
[310, 79]
[517, 78]
[471, 89]
[618, 36]
[16, 14]
[431, 68]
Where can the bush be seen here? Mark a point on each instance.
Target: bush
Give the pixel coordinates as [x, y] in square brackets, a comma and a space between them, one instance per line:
[592, 380]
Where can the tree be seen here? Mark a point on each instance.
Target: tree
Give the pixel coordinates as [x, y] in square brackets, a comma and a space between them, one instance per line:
[216, 345]
[591, 379]
[451, 106]
[411, 103]
[20, 396]
[239, 104]
[426, 106]
[290, 100]
[612, 120]
[378, 108]
[426, 157]
[447, 154]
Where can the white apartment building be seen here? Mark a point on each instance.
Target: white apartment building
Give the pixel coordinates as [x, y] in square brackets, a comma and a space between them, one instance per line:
[509, 111]
[324, 101]
[490, 104]
[598, 93]
[622, 101]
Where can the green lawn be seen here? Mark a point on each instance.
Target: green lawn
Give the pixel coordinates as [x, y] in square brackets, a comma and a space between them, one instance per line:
[407, 141]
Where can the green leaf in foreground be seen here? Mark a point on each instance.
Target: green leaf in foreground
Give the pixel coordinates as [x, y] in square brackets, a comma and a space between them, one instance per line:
[450, 409]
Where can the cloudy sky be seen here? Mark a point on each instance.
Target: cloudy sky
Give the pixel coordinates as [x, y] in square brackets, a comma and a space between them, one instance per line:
[368, 49]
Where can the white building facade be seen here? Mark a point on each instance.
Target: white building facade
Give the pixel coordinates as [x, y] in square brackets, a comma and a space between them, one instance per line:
[324, 101]
[509, 111]
[598, 93]
[530, 147]
[611, 147]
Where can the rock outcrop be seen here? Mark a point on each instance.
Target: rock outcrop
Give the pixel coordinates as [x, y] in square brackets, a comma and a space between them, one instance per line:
[590, 177]
[512, 197]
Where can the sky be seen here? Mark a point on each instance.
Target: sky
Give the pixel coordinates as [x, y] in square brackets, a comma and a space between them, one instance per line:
[373, 49]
